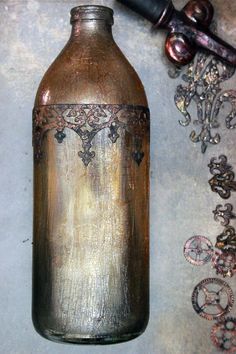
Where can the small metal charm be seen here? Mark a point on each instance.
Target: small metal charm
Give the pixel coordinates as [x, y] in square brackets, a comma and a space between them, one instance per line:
[224, 263]
[212, 298]
[222, 181]
[203, 80]
[60, 136]
[198, 250]
[138, 154]
[226, 241]
[226, 214]
[223, 335]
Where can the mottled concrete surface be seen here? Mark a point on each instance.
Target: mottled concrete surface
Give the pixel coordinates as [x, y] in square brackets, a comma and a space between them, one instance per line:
[32, 33]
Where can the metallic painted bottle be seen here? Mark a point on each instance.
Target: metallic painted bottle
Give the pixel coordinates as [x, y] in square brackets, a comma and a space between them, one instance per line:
[91, 190]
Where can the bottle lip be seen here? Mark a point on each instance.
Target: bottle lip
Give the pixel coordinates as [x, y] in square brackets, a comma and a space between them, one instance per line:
[92, 12]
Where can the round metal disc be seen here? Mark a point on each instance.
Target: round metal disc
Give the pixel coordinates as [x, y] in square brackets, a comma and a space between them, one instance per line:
[198, 250]
[223, 335]
[212, 298]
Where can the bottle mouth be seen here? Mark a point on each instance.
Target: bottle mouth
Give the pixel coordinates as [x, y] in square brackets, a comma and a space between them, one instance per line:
[92, 12]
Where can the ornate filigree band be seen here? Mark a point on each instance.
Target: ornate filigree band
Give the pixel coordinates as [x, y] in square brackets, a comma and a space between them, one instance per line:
[86, 120]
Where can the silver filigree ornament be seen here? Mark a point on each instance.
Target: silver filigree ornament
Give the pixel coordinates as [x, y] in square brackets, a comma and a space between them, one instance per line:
[222, 181]
[225, 213]
[203, 81]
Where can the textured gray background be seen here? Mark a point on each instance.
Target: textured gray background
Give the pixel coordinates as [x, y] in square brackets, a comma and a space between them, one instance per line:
[32, 33]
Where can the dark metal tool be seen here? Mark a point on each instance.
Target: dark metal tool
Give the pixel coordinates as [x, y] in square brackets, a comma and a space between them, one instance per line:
[188, 29]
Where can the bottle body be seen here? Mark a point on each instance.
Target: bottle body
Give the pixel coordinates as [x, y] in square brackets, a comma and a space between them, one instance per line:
[91, 192]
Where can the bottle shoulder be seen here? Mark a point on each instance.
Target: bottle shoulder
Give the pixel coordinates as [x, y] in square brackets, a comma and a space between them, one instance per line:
[94, 73]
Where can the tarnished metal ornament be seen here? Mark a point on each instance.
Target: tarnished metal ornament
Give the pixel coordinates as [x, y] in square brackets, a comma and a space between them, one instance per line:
[226, 241]
[203, 87]
[87, 120]
[224, 262]
[225, 214]
[212, 298]
[179, 49]
[198, 250]
[192, 22]
[219, 167]
[222, 181]
[199, 11]
[223, 335]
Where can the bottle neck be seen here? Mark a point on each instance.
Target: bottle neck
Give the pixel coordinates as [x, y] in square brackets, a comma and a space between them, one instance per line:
[91, 29]
[91, 21]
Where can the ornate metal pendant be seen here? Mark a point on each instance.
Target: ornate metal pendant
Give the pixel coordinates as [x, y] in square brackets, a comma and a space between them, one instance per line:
[226, 241]
[222, 181]
[225, 214]
[87, 120]
[203, 87]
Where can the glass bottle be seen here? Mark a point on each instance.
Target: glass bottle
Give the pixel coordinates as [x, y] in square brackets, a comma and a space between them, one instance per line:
[91, 190]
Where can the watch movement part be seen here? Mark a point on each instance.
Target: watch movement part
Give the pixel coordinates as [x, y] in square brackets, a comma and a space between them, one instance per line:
[223, 335]
[224, 262]
[198, 250]
[212, 298]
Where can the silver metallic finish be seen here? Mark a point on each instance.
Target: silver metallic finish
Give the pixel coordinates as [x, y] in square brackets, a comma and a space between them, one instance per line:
[212, 298]
[223, 335]
[203, 87]
[90, 244]
[224, 262]
[225, 213]
[198, 250]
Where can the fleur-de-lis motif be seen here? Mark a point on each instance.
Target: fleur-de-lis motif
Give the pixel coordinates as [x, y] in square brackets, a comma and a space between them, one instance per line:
[203, 87]
[225, 213]
[222, 181]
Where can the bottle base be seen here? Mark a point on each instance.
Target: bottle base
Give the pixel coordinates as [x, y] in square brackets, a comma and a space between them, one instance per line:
[61, 337]
[83, 339]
